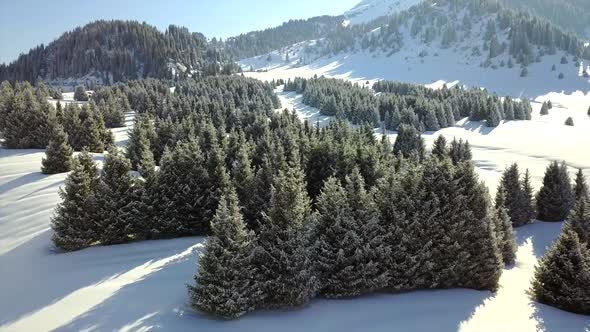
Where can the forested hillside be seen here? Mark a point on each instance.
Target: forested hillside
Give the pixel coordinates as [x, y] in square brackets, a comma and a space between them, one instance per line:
[260, 42]
[572, 15]
[116, 50]
[480, 27]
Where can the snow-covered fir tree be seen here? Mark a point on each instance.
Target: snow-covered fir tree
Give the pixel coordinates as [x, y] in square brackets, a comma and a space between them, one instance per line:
[180, 193]
[562, 278]
[58, 154]
[555, 198]
[282, 255]
[581, 187]
[224, 284]
[504, 231]
[72, 222]
[114, 197]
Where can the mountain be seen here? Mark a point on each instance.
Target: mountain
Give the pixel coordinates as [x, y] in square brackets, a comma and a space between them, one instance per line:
[368, 10]
[477, 43]
[571, 15]
[112, 51]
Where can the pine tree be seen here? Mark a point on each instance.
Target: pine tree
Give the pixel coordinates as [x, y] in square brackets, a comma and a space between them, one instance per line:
[504, 231]
[350, 248]
[516, 201]
[114, 199]
[580, 187]
[569, 122]
[556, 198]
[59, 154]
[579, 219]
[243, 177]
[409, 142]
[73, 228]
[80, 94]
[224, 284]
[282, 254]
[439, 149]
[544, 109]
[529, 196]
[180, 193]
[562, 278]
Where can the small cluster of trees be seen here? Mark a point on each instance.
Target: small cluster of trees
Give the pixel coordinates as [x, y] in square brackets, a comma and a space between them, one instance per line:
[29, 121]
[403, 103]
[562, 278]
[407, 232]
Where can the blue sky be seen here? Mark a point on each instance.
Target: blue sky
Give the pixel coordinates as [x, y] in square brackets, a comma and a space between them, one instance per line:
[27, 23]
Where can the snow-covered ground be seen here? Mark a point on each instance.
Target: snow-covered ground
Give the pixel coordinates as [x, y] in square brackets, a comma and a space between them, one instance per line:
[141, 286]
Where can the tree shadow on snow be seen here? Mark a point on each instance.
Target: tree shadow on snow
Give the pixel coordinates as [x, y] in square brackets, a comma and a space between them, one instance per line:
[39, 277]
[552, 319]
[542, 235]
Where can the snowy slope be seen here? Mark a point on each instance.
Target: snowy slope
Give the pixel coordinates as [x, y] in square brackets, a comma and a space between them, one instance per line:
[368, 10]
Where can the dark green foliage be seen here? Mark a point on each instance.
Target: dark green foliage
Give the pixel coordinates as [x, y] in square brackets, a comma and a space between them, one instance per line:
[73, 219]
[27, 120]
[556, 198]
[530, 207]
[460, 151]
[516, 199]
[118, 51]
[562, 278]
[223, 285]
[141, 138]
[581, 187]
[58, 154]
[440, 150]
[80, 94]
[579, 219]
[409, 142]
[181, 193]
[282, 255]
[350, 241]
[114, 198]
[504, 231]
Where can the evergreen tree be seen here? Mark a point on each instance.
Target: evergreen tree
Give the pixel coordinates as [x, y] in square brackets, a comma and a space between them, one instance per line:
[580, 187]
[350, 246]
[529, 196]
[579, 219]
[556, 198]
[569, 122]
[73, 228]
[181, 192]
[504, 231]
[516, 201]
[544, 109]
[59, 154]
[114, 199]
[80, 94]
[562, 278]
[224, 285]
[409, 142]
[439, 149]
[282, 254]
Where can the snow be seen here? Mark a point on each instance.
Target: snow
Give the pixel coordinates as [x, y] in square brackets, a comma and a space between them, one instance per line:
[368, 10]
[141, 286]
